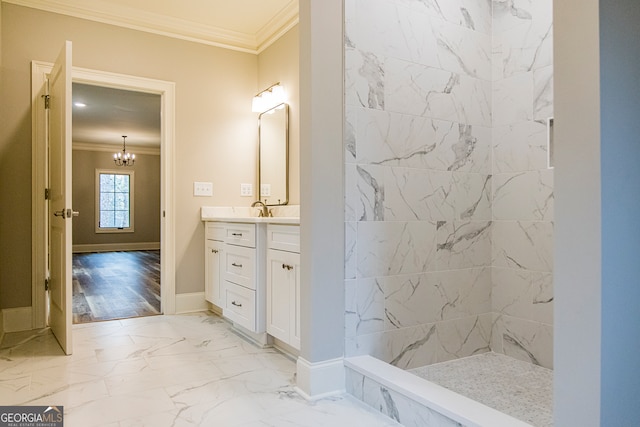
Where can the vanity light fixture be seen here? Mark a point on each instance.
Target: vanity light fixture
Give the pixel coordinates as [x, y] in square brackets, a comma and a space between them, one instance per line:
[268, 98]
[124, 158]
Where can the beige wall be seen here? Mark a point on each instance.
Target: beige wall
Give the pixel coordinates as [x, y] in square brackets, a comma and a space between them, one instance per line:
[280, 63]
[0, 41]
[146, 198]
[215, 129]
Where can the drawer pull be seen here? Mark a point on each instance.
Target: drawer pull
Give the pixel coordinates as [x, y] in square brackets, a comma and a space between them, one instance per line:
[237, 234]
[236, 304]
[287, 266]
[236, 265]
[215, 251]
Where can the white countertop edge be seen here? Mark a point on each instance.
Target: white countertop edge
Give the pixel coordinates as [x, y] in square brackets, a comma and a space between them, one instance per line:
[287, 215]
[253, 219]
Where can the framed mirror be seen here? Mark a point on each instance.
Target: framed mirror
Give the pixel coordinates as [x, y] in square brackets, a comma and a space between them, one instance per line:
[273, 156]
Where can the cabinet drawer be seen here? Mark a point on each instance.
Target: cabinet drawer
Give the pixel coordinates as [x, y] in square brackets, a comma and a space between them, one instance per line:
[214, 231]
[241, 234]
[284, 237]
[240, 305]
[239, 265]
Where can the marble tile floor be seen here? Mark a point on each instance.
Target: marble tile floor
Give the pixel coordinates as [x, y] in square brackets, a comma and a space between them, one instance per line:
[183, 370]
[514, 387]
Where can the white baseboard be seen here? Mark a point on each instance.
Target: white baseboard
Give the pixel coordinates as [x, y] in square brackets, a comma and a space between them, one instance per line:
[321, 379]
[214, 309]
[261, 339]
[113, 247]
[286, 349]
[191, 302]
[16, 319]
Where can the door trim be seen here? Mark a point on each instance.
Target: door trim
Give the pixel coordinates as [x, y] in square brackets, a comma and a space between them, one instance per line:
[39, 168]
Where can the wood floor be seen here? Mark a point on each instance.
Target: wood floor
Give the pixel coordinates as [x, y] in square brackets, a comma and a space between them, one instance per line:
[115, 285]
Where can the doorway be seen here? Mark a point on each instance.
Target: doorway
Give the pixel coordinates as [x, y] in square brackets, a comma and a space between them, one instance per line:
[166, 90]
[116, 237]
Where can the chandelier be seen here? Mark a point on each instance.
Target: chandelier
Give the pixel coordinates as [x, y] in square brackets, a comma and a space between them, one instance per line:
[124, 158]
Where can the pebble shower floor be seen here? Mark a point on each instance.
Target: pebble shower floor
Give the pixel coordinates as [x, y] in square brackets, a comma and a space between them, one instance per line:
[517, 388]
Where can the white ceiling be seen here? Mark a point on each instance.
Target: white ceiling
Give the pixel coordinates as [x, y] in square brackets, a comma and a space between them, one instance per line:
[244, 25]
[110, 113]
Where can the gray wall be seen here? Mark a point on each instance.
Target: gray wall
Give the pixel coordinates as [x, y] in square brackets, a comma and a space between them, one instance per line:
[578, 219]
[146, 198]
[620, 157]
[597, 181]
[321, 184]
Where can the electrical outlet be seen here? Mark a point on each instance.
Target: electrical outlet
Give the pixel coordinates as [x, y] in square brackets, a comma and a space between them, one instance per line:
[203, 189]
[246, 190]
[265, 190]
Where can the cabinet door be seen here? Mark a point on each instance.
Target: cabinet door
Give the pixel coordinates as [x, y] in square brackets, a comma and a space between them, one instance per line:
[295, 302]
[277, 295]
[213, 291]
[283, 276]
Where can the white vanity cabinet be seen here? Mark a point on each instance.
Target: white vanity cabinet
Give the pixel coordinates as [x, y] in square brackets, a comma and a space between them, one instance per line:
[235, 271]
[243, 269]
[214, 249]
[239, 280]
[283, 283]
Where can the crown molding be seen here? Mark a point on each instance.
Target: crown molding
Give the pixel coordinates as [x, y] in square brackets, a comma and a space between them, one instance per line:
[277, 26]
[122, 16]
[112, 148]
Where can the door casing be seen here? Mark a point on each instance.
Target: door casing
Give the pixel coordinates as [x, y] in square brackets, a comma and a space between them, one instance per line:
[39, 167]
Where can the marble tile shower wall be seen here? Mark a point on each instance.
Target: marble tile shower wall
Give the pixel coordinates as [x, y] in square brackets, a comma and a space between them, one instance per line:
[433, 136]
[522, 201]
[418, 82]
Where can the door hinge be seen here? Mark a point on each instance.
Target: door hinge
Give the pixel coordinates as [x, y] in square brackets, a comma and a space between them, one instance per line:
[46, 194]
[47, 98]
[46, 284]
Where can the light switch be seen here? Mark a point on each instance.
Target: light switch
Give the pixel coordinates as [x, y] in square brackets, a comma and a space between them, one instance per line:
[202, 189]
[246, 190]
[265, 190]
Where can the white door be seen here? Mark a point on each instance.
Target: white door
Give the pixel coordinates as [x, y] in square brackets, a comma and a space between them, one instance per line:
[60, 212]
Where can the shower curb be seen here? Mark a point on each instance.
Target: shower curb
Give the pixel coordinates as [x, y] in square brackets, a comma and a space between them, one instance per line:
[414, 401]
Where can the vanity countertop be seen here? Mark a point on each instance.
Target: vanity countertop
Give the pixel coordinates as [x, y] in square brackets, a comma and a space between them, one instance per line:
[255, 219]
[242, 214]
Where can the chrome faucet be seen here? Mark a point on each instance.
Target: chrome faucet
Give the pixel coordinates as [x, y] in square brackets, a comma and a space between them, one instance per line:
[264, 211]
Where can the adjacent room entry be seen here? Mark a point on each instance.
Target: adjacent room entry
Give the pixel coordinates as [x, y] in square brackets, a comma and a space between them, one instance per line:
[115, 285]
[59, 211]
[116, 185]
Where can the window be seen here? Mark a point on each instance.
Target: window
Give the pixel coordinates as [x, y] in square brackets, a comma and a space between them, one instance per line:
[114, 201]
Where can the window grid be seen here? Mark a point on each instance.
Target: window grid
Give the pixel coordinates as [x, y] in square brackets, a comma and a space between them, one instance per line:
[114, 201]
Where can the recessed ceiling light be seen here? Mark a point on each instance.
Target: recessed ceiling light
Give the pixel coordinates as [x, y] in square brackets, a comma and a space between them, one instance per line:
[80, 104]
